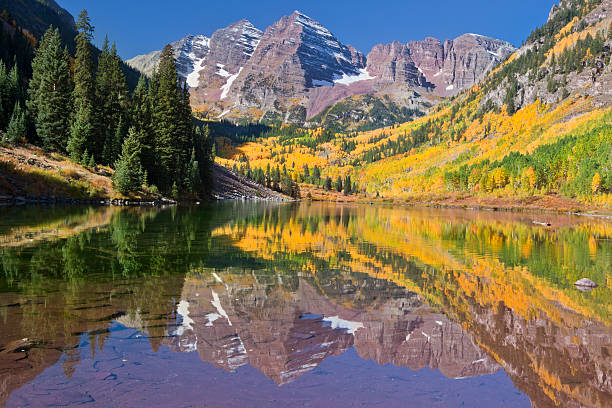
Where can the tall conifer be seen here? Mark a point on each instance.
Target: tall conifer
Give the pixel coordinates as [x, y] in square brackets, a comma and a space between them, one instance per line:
[52, 95]
[166, 114]
[82, 130]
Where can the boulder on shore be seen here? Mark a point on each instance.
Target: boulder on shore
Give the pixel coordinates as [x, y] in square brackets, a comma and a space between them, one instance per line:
[585, 284]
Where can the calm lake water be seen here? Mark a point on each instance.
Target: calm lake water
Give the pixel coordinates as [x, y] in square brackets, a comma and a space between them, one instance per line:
[314, 305]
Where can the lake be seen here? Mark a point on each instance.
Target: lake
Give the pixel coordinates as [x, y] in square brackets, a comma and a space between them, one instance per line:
[243, 304]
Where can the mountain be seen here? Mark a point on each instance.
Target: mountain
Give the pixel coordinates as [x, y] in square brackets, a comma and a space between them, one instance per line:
[297, 70]
[37, 16]
[189, 51]
[460, 63]
[537, 125]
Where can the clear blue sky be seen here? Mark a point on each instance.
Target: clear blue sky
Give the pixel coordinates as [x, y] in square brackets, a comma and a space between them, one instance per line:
[140, 26]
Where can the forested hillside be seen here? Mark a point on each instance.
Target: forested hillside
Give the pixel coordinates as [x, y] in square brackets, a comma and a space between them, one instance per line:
[79, 105]
[539, 124]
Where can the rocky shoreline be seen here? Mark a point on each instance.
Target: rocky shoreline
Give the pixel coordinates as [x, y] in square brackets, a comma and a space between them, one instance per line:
[6, 200]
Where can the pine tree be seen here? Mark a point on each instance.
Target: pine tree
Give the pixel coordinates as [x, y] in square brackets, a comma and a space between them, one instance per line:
[52, 99]
[166, 114]
[193, 182]
[339, 184]
[112, 96]
[82, 130]
[276, 178]
[316, 175]
[141, 120]
[5, 113]
[128, 175]
[185, 136]
[38, 69]
[306, 173]
[511, 94]
[113, 144]
[328, 184]
[268, 176]
[17, 128]
[203, 145]
[9, 93]
[347, 185]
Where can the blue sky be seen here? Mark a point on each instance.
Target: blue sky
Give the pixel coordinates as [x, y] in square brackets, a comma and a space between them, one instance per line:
[140, 26]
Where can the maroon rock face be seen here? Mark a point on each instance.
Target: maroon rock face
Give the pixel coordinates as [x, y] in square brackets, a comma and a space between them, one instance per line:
[297, 67]
[392, 63]
[427, 54]
[457, 64]
[230, 49]
[295, 54]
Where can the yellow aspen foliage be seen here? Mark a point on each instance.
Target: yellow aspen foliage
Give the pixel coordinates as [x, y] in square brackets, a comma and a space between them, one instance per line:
[500, 177]
[596, 184]
[529, 178]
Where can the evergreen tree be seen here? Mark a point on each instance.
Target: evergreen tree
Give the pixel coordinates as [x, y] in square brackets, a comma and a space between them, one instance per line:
[193, 182]
[511, 94]
[316, 175]
[5, 113]
[203, 146]
[339, 184]
[328, 184]
[38, 69]
[141, 120]
[166, 117]
[9, 93]
[128, 170]
[80, 131]
[289, 187]
[51, 93]
[185, 137]
[347, 185]
[268, 176]
[112, 144]
[276, 178]
[17, 128]
[84, 123]
[112, 95]
[306, 173]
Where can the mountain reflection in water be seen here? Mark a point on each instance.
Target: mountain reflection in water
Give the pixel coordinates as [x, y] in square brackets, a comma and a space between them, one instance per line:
[298, 291]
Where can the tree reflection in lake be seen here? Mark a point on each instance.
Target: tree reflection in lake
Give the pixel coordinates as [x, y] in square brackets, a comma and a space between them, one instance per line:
[290, 290]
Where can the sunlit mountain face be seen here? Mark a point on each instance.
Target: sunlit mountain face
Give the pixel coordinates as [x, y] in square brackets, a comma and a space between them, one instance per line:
[283, 304]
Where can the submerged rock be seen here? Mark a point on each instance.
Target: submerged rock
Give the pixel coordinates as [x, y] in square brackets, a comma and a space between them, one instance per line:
[585, 284]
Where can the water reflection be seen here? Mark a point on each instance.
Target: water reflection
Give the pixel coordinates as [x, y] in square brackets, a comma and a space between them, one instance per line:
[283, 288]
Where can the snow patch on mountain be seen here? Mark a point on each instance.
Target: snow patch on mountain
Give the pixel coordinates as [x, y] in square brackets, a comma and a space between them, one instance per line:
[222, 114]
[191, 53]
[249, 38]
[346, 79]
[322, 53]
[193, 78]
[222, 72]
[230, 80]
